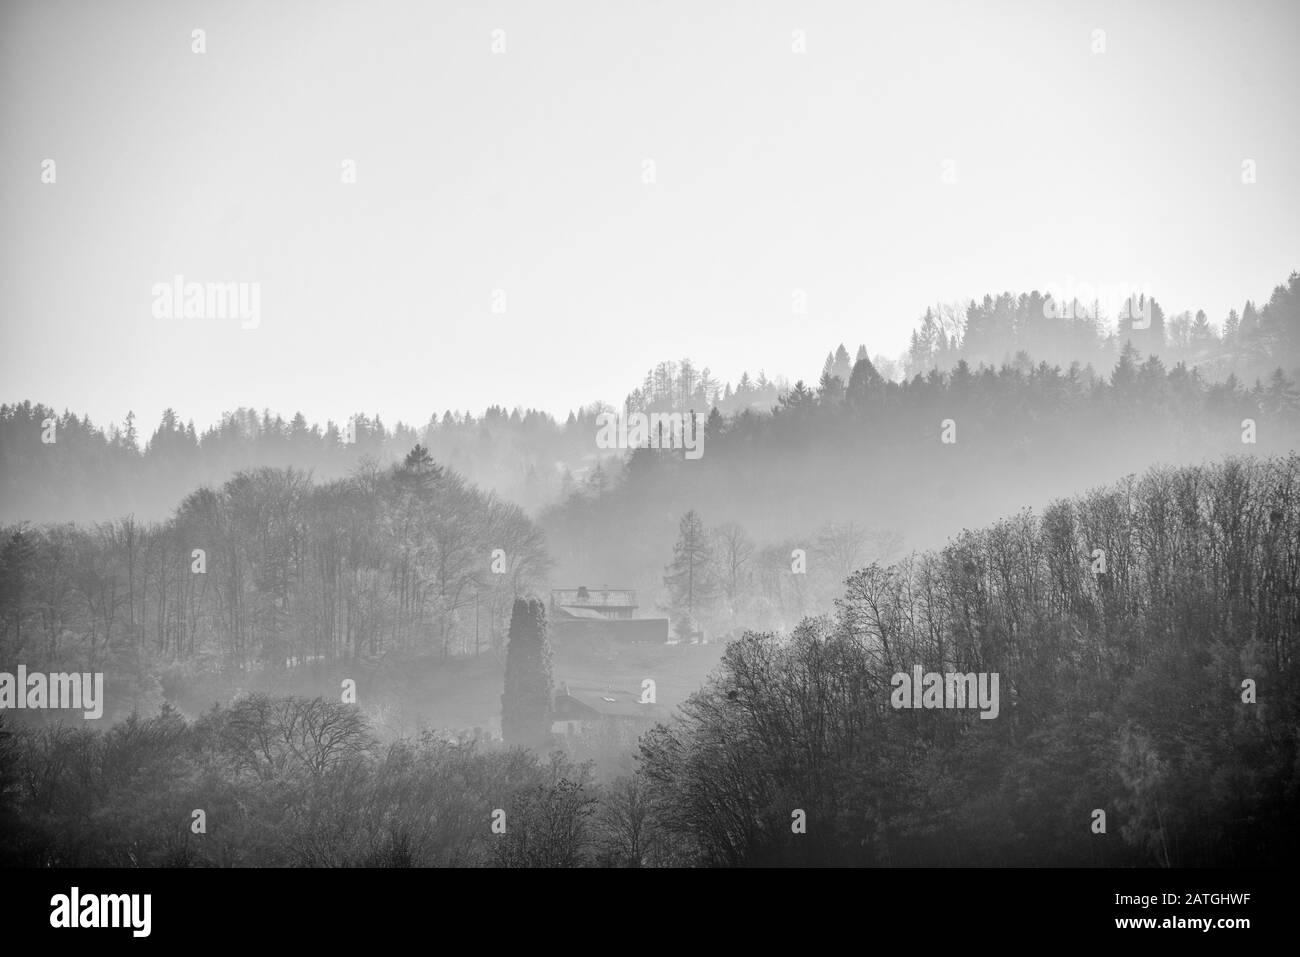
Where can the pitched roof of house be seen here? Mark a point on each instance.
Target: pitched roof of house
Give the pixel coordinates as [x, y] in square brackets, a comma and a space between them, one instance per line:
[572, 612]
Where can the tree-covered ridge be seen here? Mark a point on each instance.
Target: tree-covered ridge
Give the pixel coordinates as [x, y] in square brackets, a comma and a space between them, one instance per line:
[91, 473]
[88, 473]
[1249, 343]
[1122, 690]
[913, 459]
[271, 569]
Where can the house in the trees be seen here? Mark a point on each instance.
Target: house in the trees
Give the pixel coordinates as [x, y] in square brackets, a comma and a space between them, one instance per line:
[617, 715]
[602, 613]
[614, 603]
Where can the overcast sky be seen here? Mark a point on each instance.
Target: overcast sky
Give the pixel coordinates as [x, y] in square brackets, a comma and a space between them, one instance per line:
[524, 171]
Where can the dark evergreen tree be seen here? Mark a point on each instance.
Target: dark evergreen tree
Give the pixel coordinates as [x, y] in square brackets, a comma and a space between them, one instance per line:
[864, 383]
[1249, 327]
[714, 426]
[526, 703]
[1125, 372]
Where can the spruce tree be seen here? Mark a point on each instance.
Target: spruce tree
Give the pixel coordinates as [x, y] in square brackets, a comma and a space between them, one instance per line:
[1230, 326]
[713, 427]
[1249, 326]
[843, 366]
[1156, 331]
[864, 383]
[691, 579]
[1201, 331]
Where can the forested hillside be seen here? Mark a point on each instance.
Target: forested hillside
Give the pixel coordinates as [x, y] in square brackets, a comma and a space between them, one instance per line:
[1248, 343]
[269, 571]
[1160, 691]
[61, 467]
[862, 466]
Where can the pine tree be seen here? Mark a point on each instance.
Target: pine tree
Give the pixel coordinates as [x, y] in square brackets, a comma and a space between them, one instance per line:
[690, 578]
[863, 383]
[830, 388]
[1249, 327]
[843, 367]
[713, 427]
[1230, 325]
[130, 438]
[979, 327]
[799, 397]
[418, 472]
[1281, 397]
[1201, 331]
[1156, 331]
[526, 703]
[1125, 372]
[917, 354]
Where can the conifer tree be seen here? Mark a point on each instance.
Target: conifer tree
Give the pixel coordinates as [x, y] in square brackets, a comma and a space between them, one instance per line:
[526, 703]
[690, 578]
[843, 367]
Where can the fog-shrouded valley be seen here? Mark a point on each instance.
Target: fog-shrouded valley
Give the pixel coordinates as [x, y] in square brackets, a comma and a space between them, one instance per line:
[365, 595]
[660, 438]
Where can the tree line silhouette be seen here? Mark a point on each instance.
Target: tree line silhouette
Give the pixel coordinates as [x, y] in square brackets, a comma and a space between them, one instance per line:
[92, 473]
[269, 571]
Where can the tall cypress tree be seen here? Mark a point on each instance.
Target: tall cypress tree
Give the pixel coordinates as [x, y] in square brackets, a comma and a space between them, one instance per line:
[526, 703]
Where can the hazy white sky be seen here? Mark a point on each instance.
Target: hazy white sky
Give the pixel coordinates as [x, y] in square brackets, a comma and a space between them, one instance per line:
[523, 171]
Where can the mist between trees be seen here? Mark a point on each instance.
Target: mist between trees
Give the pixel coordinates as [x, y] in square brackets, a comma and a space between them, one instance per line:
[1121, 687]
[1121, 692]
[389, 562]
[868, 460]
[94, 474]
[394, 562]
